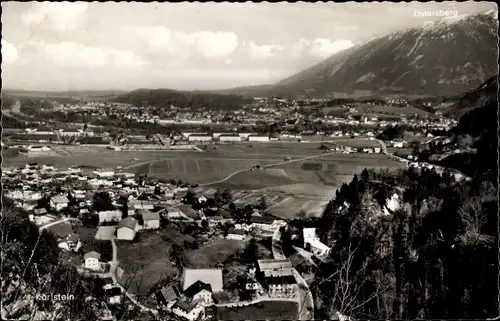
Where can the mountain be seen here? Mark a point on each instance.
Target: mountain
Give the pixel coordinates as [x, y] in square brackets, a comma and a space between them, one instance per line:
[447, 57]
[481, 96]
[164, 98]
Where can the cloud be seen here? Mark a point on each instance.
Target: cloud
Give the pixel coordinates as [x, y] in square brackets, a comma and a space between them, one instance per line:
[75, 54]
[262, 51]
[213, 45]
[60, 15]
[321, 48]
[9, 52]
[158, 37]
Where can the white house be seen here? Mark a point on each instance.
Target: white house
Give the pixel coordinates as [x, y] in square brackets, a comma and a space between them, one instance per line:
[200, 292]
[92, 261]
[59, 202]
[126, 229]
[317, 247]
[70, 243]
[109, 216]
[151, 220]
[202, 199]
[398, 143]
[104, 172]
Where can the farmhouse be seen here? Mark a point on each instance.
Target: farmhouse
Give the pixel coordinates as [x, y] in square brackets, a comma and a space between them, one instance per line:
[200, 292]
[92, 261]
[151, 220]
[187, 309]
[59, 202]
[213, 277]
[126, 229]
[168, 295]
[109, 216]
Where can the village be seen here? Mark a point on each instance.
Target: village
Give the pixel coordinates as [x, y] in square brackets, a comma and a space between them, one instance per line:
[115, 207]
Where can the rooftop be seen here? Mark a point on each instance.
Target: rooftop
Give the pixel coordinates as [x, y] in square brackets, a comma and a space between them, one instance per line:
[92, 254]
[129, 222]
[213, 277]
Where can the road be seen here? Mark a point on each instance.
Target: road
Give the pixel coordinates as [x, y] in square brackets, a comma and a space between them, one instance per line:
[306, 300]
[113, 266]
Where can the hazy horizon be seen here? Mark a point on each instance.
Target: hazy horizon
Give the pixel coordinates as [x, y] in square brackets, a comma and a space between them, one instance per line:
[189, 46]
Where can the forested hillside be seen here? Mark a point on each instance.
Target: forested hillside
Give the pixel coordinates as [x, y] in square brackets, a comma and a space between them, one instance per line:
[431, 252]
[164, 98]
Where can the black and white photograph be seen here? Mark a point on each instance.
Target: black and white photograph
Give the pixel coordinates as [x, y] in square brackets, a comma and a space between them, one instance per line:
[226, 161]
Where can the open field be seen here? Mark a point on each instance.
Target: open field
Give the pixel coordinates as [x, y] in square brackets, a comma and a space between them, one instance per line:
[62, 229]
[217, 251]
[264, 310]
[147, 261]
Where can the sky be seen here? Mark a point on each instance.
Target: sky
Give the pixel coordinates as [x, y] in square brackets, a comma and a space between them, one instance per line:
[185, 46]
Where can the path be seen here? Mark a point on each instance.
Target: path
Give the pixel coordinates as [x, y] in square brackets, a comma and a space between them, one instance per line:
[54, 223]
[112, 268]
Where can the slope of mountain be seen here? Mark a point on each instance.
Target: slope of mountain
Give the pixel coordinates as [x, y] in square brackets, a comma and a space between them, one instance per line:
[482, 95]
[446, 57]
[443, 58]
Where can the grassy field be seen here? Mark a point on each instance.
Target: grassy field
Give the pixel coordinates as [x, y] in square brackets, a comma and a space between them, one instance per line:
[217, 251]
[61, 230]
[265, 310]
[147, 262]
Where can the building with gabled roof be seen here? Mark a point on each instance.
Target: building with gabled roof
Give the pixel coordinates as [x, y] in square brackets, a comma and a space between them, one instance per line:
[126, 229]
[213, 277]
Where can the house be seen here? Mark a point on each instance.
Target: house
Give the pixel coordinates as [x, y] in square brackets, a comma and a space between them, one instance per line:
[110, 216]
[168, 295]
[70, 132]
[59, 202]
[316, 246]
[398, 143]
[104, 172]
[202, 199]
[174, 213]
[213, 277]
[236, 234]
[40, 211]
[92, 261]
[377, 149]
[200, 292]
[70, 243]
[126, 229]
[277, 276]
[142, 205]
[187, 309]
[151, 220]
